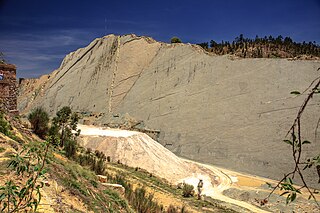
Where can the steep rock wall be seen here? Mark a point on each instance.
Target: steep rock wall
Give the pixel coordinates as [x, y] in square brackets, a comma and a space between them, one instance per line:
[232, 113]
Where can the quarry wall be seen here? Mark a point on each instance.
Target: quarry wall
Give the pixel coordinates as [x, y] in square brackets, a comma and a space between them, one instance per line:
[220, 110]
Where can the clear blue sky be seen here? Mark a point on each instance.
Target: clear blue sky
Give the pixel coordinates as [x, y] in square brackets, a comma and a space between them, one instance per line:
[36, 34]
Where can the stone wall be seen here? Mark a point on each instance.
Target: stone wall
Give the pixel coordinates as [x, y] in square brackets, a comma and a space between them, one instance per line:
[8, 89]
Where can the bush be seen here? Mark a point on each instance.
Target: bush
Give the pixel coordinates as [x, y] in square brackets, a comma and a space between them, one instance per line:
[100, 167]
[175, 40]
[187, 190]
[70, 147]
[138, 198]
[64, 122]
[39, 120]
[172, 209]
[4, 126]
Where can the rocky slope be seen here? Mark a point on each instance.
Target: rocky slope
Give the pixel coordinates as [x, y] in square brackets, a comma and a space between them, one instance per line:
[229, 112]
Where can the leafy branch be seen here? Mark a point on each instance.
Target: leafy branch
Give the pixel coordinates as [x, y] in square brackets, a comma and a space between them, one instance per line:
[30, 162]
[296, 143]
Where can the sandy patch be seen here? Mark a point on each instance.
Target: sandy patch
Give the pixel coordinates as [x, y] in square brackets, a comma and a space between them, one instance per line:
[249, 181]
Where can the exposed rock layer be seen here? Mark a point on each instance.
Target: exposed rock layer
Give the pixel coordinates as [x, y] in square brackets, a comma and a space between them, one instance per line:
[228, 112]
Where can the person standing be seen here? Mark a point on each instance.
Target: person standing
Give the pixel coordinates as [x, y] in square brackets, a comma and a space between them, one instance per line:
[200, 185]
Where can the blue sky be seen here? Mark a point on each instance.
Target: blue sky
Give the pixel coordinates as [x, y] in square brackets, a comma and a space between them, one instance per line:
[36, 34]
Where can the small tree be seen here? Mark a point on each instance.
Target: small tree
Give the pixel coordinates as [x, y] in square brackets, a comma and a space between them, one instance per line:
[175, 40]
[62, 126]
[39, 120]
[65, 122]
[187, 190]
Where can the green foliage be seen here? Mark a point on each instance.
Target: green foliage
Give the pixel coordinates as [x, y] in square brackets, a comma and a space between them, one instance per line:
[267, 46]
[22, 196]
[94, 183]
[187, 190]
[95, 160]
[204, 45]
[70, 147]
[54, 134]
[61, 131]
[138, 198]
[64, 122]
[77, 186]
[289, 190]
[39, 120]
[100, 167]
[115, 196]
[175, 40]
[143, 202]
[296, 146]
[4, 126]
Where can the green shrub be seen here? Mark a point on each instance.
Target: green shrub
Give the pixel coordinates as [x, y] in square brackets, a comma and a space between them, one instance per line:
[17, 194]
[4, 126]
[39, 120]
[175, 40]
[94, 183]
[116, 198]
[187, 190]
[138, 198]
[2, 149]
[70, 147]
[100, 167]
[77, 186]
[63, 124]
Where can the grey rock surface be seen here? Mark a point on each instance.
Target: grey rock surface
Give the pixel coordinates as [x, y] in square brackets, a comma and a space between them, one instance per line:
[220, 110]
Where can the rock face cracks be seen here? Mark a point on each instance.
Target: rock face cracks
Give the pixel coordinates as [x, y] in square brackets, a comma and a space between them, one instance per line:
[232, 113]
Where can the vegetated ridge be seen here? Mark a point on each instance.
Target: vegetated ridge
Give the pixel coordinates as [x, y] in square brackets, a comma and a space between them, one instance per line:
[265, 47]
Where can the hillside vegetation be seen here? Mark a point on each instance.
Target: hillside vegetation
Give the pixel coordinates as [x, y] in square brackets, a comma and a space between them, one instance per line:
[264, 47]
[63, 185]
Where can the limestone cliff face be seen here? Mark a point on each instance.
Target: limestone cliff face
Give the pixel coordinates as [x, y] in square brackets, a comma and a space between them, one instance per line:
[228, 112]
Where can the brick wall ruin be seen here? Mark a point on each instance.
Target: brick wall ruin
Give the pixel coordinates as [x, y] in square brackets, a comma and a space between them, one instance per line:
[8, 89]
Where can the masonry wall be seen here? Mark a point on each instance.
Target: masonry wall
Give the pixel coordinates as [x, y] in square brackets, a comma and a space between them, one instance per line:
[8, 89]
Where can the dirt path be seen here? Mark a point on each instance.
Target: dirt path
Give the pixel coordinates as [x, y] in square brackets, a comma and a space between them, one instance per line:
[226, 181]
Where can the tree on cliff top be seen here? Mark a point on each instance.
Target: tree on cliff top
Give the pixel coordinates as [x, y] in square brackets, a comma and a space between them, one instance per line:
[175, 40]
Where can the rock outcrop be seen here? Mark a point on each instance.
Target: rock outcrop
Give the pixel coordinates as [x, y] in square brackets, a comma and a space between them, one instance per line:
[233, 113]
